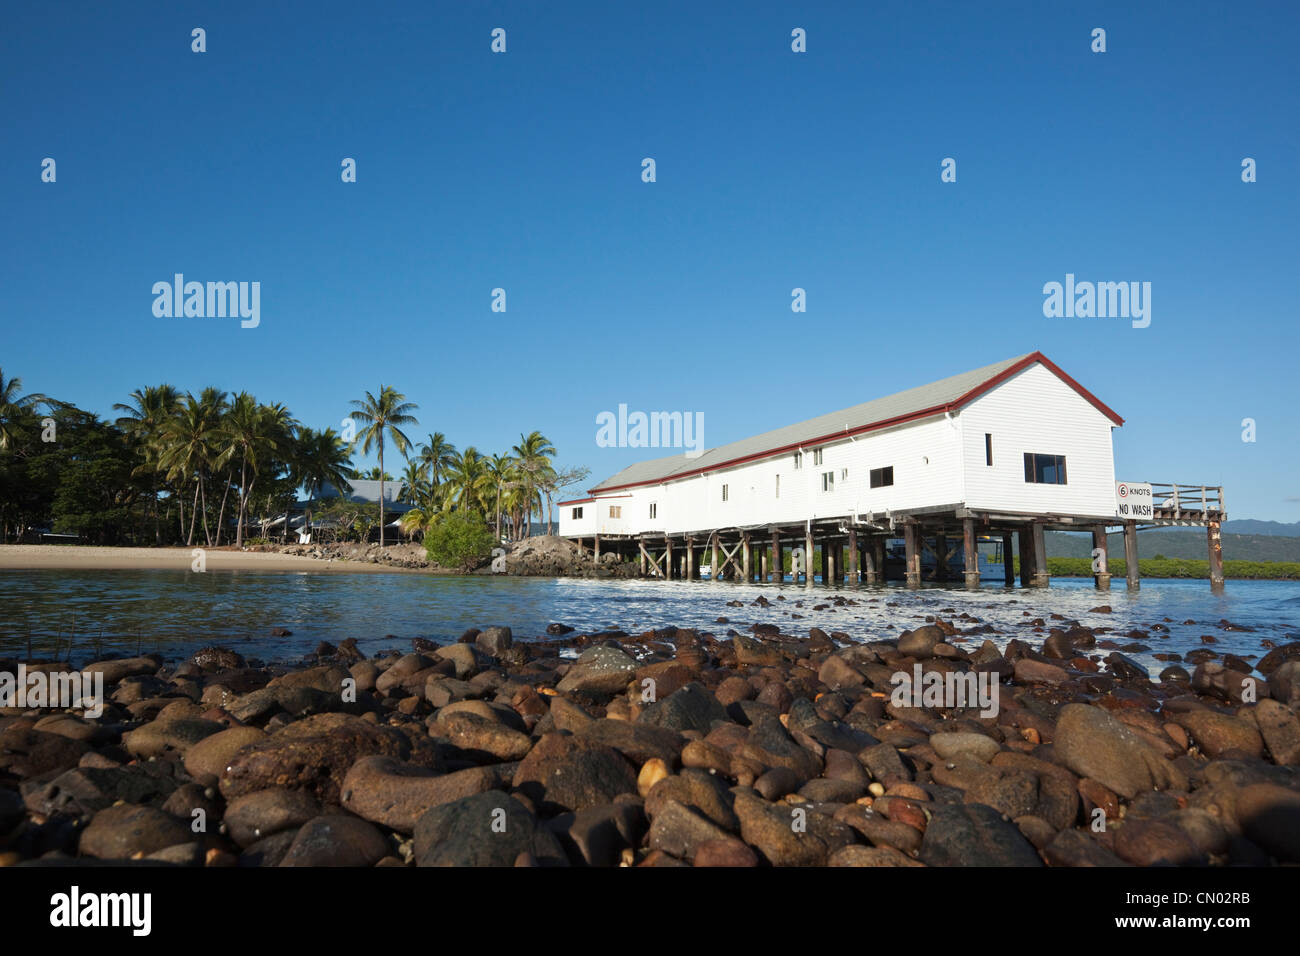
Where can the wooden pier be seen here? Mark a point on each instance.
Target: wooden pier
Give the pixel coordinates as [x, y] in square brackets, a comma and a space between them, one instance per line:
[854, 547]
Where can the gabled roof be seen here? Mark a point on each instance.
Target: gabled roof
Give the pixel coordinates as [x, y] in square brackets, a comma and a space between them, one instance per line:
[946, 395]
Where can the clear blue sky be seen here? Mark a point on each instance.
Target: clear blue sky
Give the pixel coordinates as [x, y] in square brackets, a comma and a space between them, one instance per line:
[775, 170]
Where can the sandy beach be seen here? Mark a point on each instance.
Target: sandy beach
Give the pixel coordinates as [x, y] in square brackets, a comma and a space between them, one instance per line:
[37, 557]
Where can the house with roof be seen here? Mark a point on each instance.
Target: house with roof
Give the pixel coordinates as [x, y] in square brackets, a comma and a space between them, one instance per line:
[1016, 447]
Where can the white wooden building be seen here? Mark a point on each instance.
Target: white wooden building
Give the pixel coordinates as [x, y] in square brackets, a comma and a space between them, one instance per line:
[1016, 446]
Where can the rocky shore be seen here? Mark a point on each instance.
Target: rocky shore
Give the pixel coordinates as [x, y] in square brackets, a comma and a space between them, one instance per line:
[541, 556]
[668, 748]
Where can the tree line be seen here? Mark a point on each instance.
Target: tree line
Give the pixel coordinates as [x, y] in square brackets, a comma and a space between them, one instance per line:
[181, 468]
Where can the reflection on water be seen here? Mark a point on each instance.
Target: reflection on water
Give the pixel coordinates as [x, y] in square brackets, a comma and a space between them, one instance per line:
[176, 611]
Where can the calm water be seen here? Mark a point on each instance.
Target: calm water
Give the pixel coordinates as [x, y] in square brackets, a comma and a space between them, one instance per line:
[174, 612]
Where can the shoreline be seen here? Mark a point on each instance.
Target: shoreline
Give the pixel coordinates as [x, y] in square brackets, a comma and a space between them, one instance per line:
[64, 557]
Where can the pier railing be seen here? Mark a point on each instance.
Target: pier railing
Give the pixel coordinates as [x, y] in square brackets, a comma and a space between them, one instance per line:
[1187, 501]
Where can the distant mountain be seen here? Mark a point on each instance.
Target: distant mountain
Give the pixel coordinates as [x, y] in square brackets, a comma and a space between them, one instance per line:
[1254, 526]
[1183, 543]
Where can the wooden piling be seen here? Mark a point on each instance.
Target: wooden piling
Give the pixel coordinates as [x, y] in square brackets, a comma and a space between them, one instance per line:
[1041, 577]
[713, 568]
[1134, 573]
[911, 536]
[690, 558]
[668, 563]
[971, 553]
[808, 547]
[1215, 541]
[778, 559]
[854, 576]
[1008, 559]
[871, 566]
[1026, 536]
[1101, 559]
[745, 557]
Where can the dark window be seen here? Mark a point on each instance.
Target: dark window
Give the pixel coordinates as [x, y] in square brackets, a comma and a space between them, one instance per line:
[880, 477]
[1044, 469]
[654, 510]
[988, 449]
[577, 513]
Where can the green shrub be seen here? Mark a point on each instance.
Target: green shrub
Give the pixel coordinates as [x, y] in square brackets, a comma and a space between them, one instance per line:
[1178, 568]
[461, 540]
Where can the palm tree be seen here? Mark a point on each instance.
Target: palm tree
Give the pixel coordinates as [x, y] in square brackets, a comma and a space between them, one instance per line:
[436, 457]
[145, 418]
[252, 434]
[321, 458]
[416, 491]
[415, 485]
[187, 449]
[534, 453]
[12, 405]
[383, 416]
[502, 472]
[465, 481]
[418, 521]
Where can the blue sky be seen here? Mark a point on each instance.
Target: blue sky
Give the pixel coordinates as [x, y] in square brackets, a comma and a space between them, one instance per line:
[775, 170]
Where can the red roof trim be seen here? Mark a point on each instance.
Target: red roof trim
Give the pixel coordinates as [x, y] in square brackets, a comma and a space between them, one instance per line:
[575, 501]
[965, 399]
[1052, 367]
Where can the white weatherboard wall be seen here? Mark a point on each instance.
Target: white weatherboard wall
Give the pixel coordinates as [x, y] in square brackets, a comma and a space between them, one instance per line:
[614, 515]
[1034, 411]
[586, 525]
[925, 456]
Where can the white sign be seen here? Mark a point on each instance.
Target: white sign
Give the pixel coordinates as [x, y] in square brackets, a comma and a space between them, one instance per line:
[1133, 501]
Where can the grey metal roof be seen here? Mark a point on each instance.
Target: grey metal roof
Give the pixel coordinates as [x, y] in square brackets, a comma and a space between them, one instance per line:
[366, 490]
[884, 409]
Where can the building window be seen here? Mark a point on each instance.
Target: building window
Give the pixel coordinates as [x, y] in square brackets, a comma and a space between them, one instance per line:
[817, 456]
[828, 481]
[724, 492]
[988, 449]
[798, 460]
[881, 477]
[654, 509]
[844, 474]
[1044, 469]
[778, 486]
[577, 513]
[616, 511]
